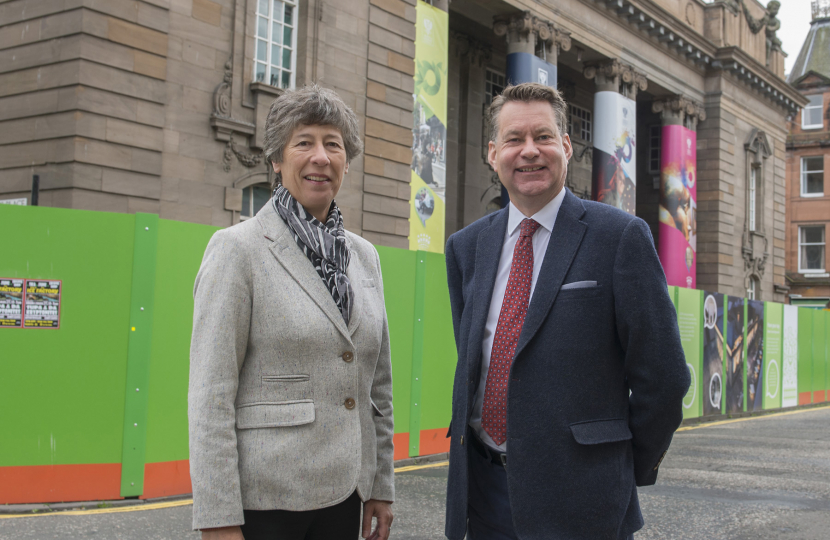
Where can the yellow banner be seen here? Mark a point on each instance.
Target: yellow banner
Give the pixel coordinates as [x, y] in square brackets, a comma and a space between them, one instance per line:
[429, 172]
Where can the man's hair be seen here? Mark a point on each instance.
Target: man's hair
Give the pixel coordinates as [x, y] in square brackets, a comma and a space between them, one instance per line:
[310, 105]
[528, 93]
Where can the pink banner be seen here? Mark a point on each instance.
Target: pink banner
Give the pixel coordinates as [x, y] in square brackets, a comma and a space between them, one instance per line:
[677, 246]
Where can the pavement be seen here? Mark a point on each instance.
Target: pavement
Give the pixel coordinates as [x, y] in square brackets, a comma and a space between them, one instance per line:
[754, 478]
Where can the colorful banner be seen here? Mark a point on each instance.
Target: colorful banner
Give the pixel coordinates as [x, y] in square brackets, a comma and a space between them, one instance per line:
[773, 342]
[615, 156]
[688, 320]
[754, 355]
[429, 131]
[11, 303]
[677, 246]
[735, 319]
[713, 323]
[789, 389]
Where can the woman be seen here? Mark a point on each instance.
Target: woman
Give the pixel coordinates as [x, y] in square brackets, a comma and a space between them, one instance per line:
[290, 399]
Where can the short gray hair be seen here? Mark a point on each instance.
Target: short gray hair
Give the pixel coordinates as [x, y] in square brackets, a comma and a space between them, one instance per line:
[528, 93]
[309, 106]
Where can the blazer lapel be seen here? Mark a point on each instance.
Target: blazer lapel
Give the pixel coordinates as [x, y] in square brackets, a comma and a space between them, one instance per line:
[488, 253]
[564, 242]
[356, 278]
[287, 252]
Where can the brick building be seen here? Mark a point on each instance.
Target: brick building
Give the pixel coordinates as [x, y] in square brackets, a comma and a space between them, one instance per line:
[808, 157]
[159, 105]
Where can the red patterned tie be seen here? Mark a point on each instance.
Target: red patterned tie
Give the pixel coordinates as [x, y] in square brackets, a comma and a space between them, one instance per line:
[511, 319]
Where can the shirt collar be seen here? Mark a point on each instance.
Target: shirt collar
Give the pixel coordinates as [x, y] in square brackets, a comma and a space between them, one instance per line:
[546, 217]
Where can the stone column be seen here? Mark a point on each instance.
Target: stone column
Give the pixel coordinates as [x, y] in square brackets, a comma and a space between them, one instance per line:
[677, 237]
[615, 132]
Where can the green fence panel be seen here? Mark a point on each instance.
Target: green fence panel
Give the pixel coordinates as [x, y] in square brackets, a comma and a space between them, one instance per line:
[62, 390]
[819, 359]
[439, 358]
[805, 356]
[689, 305]
[773, 354]
[398, 268]
[179, 255]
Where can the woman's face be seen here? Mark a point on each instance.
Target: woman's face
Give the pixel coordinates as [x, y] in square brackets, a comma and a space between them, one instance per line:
[313, 165]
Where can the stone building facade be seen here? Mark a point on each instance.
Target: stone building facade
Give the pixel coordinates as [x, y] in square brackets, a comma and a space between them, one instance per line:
[808, 160]
[159, 106]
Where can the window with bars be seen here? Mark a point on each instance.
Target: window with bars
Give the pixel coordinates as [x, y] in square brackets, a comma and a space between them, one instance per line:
[811, 114]
[494, 83]
[811, 249]
[580, 123]
[276, 42]
[753, 289]
[253, 199]
[655, 135]
[812, 176]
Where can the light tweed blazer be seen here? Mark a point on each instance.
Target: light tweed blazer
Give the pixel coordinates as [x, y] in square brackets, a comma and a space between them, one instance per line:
[288, 407]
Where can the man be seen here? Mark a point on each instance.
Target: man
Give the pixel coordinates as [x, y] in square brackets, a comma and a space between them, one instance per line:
[570, 372]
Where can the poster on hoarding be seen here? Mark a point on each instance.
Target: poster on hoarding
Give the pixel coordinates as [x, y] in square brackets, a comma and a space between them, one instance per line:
[615, 158]
[429, 131]
[789, 387]
[735, 319]
[713, 321]
[11, 303]
[677, 246]
[42, 308]
[754, 355]
[689, 324]
[773, 343]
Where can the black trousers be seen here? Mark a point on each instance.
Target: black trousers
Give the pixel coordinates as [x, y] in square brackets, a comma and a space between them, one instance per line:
[338, 522]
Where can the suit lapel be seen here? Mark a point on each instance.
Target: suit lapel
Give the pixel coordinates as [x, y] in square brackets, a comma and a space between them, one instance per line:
[356, 278]
[289, 255]
[488, 253]
[565, 239]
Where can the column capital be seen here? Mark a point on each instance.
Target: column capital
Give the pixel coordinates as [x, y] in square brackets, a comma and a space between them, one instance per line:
[470, 49]
[616, 76]
[525, 30]
[679, 110]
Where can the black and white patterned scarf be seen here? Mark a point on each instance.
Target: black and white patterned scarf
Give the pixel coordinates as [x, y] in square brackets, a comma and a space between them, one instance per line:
[323, 244]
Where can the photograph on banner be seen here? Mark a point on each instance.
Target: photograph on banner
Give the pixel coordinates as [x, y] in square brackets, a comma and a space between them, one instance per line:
[11, 303]
[429, 131]
[712, 353]
[789, 386]
[773, 342]
[42, 307]
[734, 354]
[754, 355]
[615, 156]
[677, 245]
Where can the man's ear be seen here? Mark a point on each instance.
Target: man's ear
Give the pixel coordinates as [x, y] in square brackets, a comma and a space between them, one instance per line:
[345, 172]
[491, 155]
[567, 146]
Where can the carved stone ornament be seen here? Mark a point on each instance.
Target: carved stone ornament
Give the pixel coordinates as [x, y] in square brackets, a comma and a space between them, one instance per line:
[247, 159]
[678, 105]
[755, 253]
[222, 94]
[518, 27]
[621, 76]
[471, 50]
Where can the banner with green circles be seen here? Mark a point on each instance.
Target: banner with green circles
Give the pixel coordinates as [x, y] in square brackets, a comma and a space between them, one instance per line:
[689, 304]
[773, 354]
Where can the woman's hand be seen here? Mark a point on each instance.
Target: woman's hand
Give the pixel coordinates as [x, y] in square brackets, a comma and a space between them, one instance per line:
[381, 510]
[223, 533]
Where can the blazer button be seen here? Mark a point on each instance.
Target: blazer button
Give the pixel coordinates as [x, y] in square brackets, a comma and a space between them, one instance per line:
[348, 356]
[349, 403]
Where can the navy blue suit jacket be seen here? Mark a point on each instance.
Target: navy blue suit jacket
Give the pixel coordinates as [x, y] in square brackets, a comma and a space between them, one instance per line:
[597, 382]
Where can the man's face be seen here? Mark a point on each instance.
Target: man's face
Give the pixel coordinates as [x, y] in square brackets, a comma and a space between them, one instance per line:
[529, 154]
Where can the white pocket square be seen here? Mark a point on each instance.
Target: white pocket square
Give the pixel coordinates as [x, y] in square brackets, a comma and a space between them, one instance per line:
[578, 285]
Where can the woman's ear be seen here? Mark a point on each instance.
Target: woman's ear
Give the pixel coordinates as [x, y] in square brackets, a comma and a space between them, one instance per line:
[347, 169]
[276, 167]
